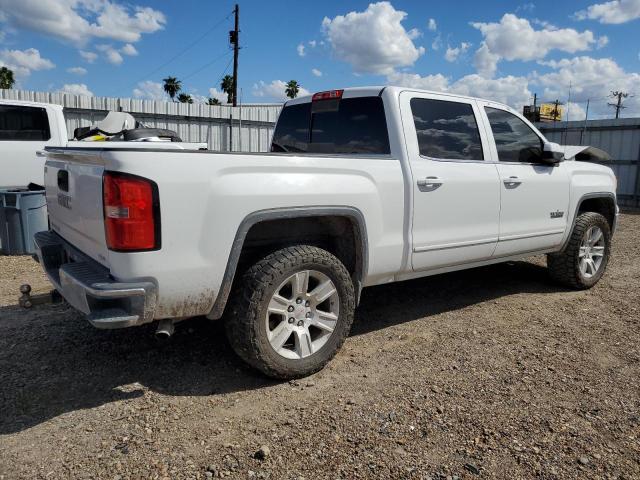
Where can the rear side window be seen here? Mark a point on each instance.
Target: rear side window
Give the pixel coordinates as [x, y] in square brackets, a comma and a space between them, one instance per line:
[446, 130]
[349, 126]
[515, 141]
[23, 123]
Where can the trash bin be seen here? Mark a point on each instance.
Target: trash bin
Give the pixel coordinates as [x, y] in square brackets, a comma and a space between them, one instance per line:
[23, 213]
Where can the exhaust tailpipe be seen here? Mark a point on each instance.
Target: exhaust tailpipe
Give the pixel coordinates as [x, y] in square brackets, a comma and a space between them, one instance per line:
[165, 329]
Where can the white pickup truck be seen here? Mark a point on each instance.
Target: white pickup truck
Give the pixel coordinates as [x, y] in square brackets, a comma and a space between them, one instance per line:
[364, 186]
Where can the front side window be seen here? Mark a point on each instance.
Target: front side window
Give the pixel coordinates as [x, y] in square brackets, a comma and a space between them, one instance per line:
[446, 130]
[348, 126]
[23, 123]
[515, 141]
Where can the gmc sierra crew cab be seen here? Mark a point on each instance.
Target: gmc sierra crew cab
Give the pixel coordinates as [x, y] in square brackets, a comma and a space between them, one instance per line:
[363, 186]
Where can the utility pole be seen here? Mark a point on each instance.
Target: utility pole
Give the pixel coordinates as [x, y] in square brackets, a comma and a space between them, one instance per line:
[569, 103]
[618, 106]
[586, 117]
[234, 36]
[555, 111]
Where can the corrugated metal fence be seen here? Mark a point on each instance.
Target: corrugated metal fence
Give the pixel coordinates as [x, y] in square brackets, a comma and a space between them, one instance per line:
[247, 128]
[620, 138]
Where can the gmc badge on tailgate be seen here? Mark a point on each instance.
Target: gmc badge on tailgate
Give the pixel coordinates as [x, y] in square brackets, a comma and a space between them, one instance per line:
[64, 201]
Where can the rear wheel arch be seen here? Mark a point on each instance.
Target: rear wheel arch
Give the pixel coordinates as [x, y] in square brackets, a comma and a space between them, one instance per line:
[255, 239]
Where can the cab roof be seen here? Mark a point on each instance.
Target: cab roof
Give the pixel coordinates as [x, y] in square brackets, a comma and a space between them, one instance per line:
[389, 89]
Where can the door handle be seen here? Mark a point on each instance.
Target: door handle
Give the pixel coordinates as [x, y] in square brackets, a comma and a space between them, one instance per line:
[429, 184]
[512, 182]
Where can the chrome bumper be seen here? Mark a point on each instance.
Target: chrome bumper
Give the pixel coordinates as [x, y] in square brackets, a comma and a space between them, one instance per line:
[88, 287]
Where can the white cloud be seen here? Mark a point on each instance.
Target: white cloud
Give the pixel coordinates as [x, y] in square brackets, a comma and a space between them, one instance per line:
[616, 11]
[432, 25]
[23, 62]
[76, 89]
[275, 90]
[312, 43]
[300, 49]
[80, 20]
[486, 63]
[603, 41]
[452, 54]
[113, 56]
[149, 90]
[215, 93]
[316, 72]
[129, 49]
[77, 70]
[89, 57]
[515, 39]
[511, 90]
[437, 43]
[575, 111]
[353, 40]
[590, 78]
[526, 7]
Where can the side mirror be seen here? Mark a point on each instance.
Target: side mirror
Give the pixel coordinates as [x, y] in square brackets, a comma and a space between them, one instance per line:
[552, 153]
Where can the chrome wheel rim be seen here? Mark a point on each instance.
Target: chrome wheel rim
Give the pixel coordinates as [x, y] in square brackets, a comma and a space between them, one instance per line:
[302, 314]
[591, 252]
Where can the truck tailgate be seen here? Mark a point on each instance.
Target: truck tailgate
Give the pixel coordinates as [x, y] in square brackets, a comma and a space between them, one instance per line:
[73, 183]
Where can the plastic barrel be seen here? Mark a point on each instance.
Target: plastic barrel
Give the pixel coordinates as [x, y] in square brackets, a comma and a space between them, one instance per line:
[23, 213]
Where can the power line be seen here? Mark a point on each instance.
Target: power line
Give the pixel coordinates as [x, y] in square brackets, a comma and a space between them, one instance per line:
[206, 65]
[187, 48]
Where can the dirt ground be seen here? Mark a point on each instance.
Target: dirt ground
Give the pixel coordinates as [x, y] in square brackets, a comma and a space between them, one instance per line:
[489, 373]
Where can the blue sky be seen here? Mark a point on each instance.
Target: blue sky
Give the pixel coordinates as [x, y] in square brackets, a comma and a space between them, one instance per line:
[504, 50]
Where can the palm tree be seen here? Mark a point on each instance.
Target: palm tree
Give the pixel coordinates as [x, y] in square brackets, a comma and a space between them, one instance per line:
[293, 87]
[185, 98]
[172, 86]
[6, 78]
[227, 87]
[213, 101]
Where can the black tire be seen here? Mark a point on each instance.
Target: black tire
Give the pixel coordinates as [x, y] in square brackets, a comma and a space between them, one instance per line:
[564, 266]
[246, 326]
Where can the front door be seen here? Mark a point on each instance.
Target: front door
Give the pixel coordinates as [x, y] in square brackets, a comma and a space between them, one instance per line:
[456, 193]
[534, 195]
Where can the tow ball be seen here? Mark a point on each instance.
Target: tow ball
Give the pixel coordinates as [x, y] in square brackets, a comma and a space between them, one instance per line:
[27, 300]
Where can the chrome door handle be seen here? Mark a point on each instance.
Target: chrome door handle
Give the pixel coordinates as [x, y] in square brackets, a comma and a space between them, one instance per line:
[429, 184]
[512, 182]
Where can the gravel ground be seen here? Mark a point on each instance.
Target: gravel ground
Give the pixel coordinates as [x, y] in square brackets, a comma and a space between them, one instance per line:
[489, 373]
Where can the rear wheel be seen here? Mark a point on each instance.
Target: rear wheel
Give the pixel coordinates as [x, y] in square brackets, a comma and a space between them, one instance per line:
[584, 260]
[292, 311]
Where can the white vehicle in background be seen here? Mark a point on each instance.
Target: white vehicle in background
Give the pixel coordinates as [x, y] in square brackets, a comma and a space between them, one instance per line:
[26, 128]
[364, 186]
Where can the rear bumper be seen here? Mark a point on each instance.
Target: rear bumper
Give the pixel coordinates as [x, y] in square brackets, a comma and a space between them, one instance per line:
[88, 287]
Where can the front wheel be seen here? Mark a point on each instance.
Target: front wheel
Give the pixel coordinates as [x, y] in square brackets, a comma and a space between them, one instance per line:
[583, 262]
[291, 312]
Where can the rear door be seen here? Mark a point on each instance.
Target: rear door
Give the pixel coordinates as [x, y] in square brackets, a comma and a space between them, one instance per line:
[456, 192]
[534, 195]
[73, 185]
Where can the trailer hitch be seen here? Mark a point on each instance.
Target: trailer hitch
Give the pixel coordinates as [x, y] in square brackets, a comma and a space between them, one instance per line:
[27, 300]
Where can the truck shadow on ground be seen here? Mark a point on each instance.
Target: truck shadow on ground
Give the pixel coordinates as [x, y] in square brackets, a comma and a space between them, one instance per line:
[53, 362]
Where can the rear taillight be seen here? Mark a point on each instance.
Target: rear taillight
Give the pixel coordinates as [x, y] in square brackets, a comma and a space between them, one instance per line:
[131, 212]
